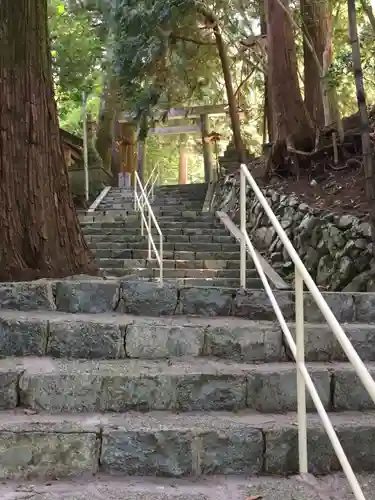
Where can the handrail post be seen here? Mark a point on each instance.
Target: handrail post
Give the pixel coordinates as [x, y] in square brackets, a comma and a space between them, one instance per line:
[135, 191]
[300, 360]
[243, 229]
[149, 236]
[161, 259]
[142, 223]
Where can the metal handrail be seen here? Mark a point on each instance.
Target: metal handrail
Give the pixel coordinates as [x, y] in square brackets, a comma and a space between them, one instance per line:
[297, 348]
[140, 203]
[94, 205]
[150, 189]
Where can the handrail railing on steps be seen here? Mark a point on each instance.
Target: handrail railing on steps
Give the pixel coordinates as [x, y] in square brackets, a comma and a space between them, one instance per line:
[304, 380]
[149, 187]
[142, 204]
[94, 205]
[276, 279]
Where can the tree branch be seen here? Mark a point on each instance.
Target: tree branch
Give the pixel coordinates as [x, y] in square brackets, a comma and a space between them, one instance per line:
[192, 40]
[367, 8]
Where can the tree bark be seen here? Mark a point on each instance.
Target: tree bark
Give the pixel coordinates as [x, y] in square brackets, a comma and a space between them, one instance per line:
[292, 123]
[314, 16]
[40, 234]
[363, 114]
[268, 115]
[366, 6]
[107, 130]
[225, 65]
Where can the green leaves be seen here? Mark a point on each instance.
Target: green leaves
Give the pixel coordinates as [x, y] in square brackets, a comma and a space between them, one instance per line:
[155, 57]
[77, 49]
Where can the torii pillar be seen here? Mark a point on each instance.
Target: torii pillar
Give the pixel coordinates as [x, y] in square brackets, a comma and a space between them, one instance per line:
[183, 170]
[207, 153]
[127, 149]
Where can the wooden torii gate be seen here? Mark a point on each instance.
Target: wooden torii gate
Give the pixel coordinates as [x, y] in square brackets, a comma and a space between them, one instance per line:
[130, 150]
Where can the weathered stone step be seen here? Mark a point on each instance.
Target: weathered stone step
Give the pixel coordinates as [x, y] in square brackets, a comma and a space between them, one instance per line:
[180, 384]
[179, 264]
[144, 274]
[174, 238]
[123, 220]
[122, 216]
[137, 444]
[195, 246]
[111, 336]
[207, 488]
[167, 254]
[176, 211]
[181, 272]
[103, 219]
[85, 294]
[136, 230]
[97, 228]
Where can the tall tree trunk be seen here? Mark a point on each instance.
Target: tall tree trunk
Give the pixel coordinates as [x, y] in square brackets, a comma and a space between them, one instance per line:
[361, 99]
[366, 6]
[314, 16]
[40, 234]
[108, 131]
[268, 115]
[225, 66]
[293, 126]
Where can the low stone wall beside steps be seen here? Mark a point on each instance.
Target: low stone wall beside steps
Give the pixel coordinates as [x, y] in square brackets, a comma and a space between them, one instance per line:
[336, 249]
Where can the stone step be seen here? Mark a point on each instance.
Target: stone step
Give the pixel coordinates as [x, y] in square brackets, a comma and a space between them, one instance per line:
[179, 264]
[217, 231]
[195, 246]
[132, 296]
[179, 384]
[116, 335]
[158, 211]
[176, 211]
[234, 283]
[153, 272]
[211, 487]
[176, 445]
[169, 238]
[167, 254]
[126, 218]
[171, 206]
[121, 229]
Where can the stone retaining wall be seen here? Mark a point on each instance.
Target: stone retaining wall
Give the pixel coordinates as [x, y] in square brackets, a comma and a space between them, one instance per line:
[336, 249]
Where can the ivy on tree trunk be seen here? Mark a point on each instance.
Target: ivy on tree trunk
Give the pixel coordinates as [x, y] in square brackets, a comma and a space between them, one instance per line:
[40, 234]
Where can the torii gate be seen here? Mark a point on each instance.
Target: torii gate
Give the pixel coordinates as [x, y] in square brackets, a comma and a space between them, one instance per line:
[200, 116]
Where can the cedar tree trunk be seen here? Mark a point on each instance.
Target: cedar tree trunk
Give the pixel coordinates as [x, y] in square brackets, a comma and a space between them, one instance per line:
[268, 115]
[40, 234]
[108, 131]
[225, 65]
[291, 120]
[314, 15]
[363, 114]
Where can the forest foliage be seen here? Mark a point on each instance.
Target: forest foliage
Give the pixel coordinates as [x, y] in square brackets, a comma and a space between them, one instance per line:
[162, 52]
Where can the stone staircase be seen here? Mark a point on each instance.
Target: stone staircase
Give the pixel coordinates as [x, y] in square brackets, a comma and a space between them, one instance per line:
[179, 392]
[198, 249]
[124, 377]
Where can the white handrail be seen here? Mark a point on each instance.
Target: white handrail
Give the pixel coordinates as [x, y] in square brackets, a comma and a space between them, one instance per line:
[94, 205]
[150, 189]
[140, 202]
[297, 348]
